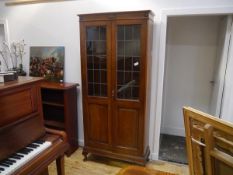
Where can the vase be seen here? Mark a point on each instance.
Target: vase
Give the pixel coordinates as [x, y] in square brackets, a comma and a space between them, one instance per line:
[20, 70]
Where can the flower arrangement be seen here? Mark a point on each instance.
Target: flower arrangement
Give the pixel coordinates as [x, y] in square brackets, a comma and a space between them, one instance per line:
[12, 56]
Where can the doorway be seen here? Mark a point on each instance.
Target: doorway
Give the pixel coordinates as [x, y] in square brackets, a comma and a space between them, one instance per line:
[192, 48]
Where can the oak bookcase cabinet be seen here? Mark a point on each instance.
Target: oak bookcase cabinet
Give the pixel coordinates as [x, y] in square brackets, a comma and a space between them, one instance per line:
[60, 109]
[116, 59]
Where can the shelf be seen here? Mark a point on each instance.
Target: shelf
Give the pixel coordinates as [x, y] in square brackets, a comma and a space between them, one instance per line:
[52, 104]
[59, 102]
[55, 124]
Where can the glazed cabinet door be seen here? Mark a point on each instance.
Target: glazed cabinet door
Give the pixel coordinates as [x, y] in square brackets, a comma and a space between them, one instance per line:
[96, 80]
[129, 58]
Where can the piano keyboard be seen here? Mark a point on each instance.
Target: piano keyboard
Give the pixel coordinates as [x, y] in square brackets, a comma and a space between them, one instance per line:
[17, 160]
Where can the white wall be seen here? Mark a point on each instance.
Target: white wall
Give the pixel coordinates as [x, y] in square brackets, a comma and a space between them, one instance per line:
[190, 61]
[57, 24]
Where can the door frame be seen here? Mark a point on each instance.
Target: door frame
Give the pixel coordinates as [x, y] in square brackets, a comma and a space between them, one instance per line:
[159, 63]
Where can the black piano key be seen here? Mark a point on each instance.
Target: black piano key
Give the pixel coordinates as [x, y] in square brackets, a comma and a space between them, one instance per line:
[15, 157]
[2, 169]
[7, 162]
[28, 149]
[5, 165]
[33, 145]
[10, 160]
[25, 150]
[39, 141]
[19, 155]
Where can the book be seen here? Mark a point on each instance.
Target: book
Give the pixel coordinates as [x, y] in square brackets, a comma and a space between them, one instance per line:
[15, 74]
[5, 77]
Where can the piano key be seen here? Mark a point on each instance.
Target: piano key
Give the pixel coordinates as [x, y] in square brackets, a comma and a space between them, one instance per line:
[32, 145]
[7, 162]
[25, 150]
[39, 141]
[10, 160]
[15, 157]
[1, 169]
[8, 170]
[19, 155]
[4, 165]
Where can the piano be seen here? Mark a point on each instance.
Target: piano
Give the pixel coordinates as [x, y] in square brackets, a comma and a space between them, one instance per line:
[26, 146]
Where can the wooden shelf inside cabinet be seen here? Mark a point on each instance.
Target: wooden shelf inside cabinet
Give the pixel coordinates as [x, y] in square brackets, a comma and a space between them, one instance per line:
[52, 104]
[55, 124]
[60, 109]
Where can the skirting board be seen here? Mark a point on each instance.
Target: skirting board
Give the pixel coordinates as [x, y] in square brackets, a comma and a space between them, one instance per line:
[154, 156]
[173, 131]
[81, 143]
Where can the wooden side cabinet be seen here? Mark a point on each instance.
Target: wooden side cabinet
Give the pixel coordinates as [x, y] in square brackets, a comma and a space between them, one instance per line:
[116, 59]
[60, 109]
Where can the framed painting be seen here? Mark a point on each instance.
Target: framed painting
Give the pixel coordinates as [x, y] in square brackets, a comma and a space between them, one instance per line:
[47, 62]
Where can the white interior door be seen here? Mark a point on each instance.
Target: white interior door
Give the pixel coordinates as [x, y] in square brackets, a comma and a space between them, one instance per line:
[221, 62]
[190, 60]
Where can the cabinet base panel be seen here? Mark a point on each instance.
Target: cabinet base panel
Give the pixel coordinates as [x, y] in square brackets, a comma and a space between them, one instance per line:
[140, 160]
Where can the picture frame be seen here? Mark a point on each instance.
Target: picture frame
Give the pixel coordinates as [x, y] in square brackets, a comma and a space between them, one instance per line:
[47, 62]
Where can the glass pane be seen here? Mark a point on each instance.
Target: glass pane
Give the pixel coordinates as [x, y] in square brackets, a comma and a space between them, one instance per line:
[128, 32]
[136, 64]
[103, 89]
[96, 76]
[120, 48]
[103, 78]
[96, 60]
[120, 63]
[90, 62]
[128, 61]
[120, 79]
[99, 48]
[102, 62]
[102, 33]
[92, 33]
[90, 75]
[89, 47]
[120, 33]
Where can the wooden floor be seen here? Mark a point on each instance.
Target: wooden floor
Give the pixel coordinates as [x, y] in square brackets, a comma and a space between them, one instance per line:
[75, 165]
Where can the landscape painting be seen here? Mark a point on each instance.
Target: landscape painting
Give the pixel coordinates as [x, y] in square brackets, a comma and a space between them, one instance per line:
[47, 62]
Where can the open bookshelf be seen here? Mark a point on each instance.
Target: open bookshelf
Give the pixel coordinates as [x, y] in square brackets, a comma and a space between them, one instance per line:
[60, 109]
